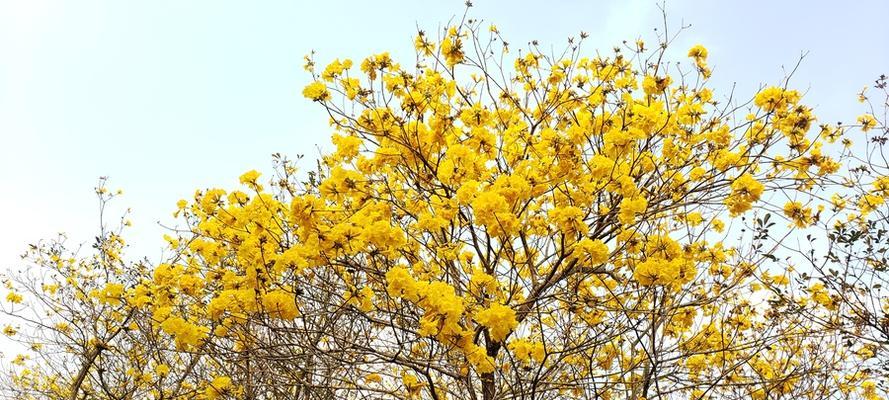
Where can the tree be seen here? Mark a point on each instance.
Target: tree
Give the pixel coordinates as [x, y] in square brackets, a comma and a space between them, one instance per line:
[846, 283]
[86, 338]
[570, 227]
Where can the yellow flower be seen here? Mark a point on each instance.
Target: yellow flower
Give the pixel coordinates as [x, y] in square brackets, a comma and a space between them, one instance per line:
[186, 334]
[316, 91]
[499, 319]
[452, 47]
[630, 208]
[527, 351]
[596, 250]
[654, 85]
[479, 359]
[422, 45]
[14, 298]
[775, 98]
[218, 387]
[657, 271]
[401, 283]
[347, 146]
[335, 68]
[696, 363]
[112, 294]
[867, 122]
[869, 390]
[819, 294]
[698, 51]
[699, 54]
[801, 216]
[352, 87]
[412, 384]
[745, 191]
[869, 202]
[492, 211]
[162, 370]
[280, 304]
[569, 220]
[250, 178]
[694, 219]
[9, 330]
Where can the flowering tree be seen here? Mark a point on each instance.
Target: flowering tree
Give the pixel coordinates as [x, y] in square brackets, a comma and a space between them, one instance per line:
[86, 340]
[565, 227]
[842, 286]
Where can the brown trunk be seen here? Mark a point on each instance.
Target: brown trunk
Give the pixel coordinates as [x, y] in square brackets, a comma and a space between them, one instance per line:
[489, 387]
[85, 368]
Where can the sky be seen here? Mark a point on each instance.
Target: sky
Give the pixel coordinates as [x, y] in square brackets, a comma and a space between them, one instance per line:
[166, 97]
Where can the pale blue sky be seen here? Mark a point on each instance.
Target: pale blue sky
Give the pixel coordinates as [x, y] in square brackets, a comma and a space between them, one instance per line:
[169, 96]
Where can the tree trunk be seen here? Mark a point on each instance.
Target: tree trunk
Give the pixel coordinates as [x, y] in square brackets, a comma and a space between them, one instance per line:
[85, 368]
[489, 387]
